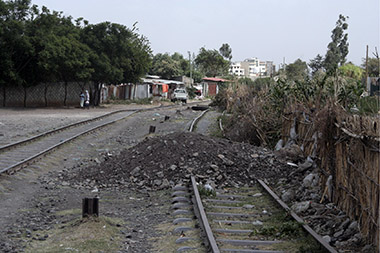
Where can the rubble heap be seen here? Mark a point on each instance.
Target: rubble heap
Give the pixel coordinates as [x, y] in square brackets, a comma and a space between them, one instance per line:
[160, 162]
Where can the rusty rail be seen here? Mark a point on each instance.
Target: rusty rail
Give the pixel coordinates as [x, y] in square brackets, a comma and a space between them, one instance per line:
[316, 236]
[203, 218]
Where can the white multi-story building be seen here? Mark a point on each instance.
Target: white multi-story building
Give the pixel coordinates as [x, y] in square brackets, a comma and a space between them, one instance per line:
[252, 68]
[237, 69]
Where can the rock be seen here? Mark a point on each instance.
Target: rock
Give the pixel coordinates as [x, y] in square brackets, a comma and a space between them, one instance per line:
[165, 183]
[225, 160]
[344, 224]
[339, 233]
[247, 206]
[136, 171]
[279, 144]
[306, 165]
[300, 207]
[157, 182]
[288, 196]
[214, 167]
[256, 195]
[173, 167]
[308, 180]
[327, 238]
[97, 160]
[255, 156]
[353, 226]
[257, 223]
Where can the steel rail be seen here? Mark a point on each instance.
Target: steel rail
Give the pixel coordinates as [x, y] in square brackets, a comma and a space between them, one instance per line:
[33, 157]
[306, 227]
[191, 128]
[17, 143]
[314, 234]
[203, 218]
[34, 138]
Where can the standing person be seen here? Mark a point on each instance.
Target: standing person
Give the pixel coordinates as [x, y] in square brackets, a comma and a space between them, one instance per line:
[81, 99]
[87, 100]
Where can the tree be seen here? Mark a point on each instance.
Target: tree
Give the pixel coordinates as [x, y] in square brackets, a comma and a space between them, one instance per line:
[316, 64]
[211, 63]
[45, 46]
[337, 49]
[16, 50]
[226, 51]
[118, 55]
[15, 47]
[373, 66]
[296, 71]
[59, 53]
[168, 66]
[352, 71]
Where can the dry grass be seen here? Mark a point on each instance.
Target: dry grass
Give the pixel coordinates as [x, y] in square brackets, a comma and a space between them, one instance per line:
[81, 235]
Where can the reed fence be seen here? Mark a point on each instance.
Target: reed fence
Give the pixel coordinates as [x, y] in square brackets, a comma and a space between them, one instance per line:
[347, 148]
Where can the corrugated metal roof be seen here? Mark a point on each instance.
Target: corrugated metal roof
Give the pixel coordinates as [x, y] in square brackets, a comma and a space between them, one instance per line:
[160, 81]
[214, 79]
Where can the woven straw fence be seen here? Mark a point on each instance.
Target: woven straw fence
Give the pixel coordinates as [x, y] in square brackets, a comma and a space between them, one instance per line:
[347, 148]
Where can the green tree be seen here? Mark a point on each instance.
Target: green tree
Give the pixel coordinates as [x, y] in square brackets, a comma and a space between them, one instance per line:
[59, 53]
[352, 71]
[373, 66]
[118, 55]
[316, 64]
[211, 63]
[15, 47]
[337, 49]
[226, 51]
[16, 50]
[296, 71]
[168, 66]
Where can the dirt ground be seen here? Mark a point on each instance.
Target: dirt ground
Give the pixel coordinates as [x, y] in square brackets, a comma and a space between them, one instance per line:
[132, 173]
[21, 123]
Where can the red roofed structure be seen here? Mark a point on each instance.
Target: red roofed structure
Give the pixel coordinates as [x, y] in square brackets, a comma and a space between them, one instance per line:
[211, 85]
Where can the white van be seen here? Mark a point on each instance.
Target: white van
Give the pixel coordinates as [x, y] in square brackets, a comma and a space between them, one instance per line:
[180, 94]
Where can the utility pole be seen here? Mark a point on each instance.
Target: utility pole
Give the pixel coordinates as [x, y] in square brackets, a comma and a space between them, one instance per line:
[366, 65]
[191, 73]
[376, 54]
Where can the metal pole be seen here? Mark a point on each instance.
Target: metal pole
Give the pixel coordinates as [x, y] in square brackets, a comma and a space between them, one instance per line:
[191, 74]
[366, 66]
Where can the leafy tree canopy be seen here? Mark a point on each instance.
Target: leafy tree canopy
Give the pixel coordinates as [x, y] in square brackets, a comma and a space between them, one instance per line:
[211, 63]
[316, 64]
[352, 71]
[168, 66]
[297, 70]
[373, 66]
[226, 51]
[337, 49]
[45, 46]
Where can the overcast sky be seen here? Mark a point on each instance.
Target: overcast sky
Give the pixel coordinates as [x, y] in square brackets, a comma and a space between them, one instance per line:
[267, 29]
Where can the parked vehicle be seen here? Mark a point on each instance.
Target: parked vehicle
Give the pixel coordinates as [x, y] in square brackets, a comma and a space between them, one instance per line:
[180, 94]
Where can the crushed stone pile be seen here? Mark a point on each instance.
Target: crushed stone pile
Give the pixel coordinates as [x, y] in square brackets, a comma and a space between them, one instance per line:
[160, 162]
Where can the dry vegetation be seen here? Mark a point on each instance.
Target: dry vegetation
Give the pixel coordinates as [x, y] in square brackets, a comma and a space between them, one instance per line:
[317, 115]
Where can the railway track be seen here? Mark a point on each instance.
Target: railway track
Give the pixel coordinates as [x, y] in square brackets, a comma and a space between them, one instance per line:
[19, 154]
[16, 155]
[251, 219]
